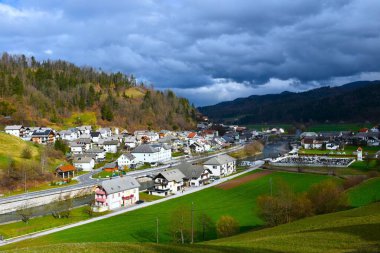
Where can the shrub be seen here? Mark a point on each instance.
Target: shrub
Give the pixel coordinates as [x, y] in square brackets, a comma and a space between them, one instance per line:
[26, 153]
[352, 181]
[227, 226]
[327, 197]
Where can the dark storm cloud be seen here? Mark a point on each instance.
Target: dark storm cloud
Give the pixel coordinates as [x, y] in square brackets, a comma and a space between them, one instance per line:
[235, 47]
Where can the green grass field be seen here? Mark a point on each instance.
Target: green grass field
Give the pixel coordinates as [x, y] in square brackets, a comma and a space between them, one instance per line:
[356, 230]
[337, 127]
[134, 92]
[365, 193]
[260, 127]
[140, 225]
[11, 148]
[40, 223]
[80, 118]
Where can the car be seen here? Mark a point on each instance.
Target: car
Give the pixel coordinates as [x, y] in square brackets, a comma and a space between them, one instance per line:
[140, 202]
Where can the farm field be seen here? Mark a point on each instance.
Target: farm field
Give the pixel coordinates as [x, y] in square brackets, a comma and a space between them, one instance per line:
[261, 127]
[80, 118]
[140, 225]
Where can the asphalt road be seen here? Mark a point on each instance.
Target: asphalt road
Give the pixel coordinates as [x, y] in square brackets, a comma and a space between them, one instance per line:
[86, 180]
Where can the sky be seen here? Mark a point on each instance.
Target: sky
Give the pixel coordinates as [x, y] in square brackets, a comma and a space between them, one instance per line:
[206, 50]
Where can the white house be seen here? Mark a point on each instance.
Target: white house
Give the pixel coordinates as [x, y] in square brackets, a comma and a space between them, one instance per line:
[126, 160]
[69, 135]
[77, 148]
[116, 193]
[195, 175]
[16, 130]
[110, 146]
[147, 136]
[105, 132]
[100, 154]
[84, 129]
[220, 166]
[130, 141]
[152, 153]
[95, 136]
[167, 182]
[84, 163]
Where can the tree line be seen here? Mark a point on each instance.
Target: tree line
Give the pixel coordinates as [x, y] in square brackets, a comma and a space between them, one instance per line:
[33, 93]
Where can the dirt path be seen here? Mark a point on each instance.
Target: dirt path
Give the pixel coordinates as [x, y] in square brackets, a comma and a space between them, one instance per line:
[238, 181]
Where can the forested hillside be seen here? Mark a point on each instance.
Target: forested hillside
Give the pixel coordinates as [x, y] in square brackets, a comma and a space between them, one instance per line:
[59, 93]
[353, 102]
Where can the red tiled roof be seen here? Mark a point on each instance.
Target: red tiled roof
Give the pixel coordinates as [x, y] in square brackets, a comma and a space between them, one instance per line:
[191, 135]
[66, 168]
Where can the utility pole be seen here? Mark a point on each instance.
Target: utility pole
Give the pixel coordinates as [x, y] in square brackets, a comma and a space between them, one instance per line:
[271, 187]
[157, 230]
[192, 222]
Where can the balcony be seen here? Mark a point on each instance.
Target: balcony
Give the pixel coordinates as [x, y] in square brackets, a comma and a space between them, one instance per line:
[102, 200]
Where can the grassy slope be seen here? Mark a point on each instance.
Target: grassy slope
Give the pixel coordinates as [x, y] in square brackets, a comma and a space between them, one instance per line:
[139, 225]
[337, 127]
[11, 148]
[365, 193]
[337, 232]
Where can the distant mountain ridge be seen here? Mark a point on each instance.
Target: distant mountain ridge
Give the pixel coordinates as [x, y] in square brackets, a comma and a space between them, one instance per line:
[352, 102]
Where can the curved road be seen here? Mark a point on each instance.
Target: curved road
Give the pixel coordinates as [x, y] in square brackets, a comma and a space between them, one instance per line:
[86, 180]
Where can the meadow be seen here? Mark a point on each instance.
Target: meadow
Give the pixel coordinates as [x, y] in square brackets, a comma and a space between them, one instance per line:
[140, 225]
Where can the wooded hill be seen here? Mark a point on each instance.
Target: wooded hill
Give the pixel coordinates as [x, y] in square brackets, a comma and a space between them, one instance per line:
[59, 93]
[353, 102]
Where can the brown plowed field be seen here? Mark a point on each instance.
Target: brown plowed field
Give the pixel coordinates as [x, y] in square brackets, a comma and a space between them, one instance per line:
[238, 181]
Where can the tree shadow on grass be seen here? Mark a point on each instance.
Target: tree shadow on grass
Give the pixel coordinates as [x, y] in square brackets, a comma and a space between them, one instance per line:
[368, 232]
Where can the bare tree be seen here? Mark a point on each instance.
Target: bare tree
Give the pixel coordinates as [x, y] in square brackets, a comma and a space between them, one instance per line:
[180, 224]
[25, 212]
[206, 224]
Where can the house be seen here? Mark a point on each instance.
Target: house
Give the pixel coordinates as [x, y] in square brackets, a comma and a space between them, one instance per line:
[43, 136]
[84, 129]
[105, 132]
[195, 175]
[100, 154]
[191, 135]
[146, 136]
[167, 182]
[85, 141]
[130, 141]
[196, 147]
[111, 146]
[77, 148]
[152, 153]
[116, 193]
[84, 163]
[16, 130]
[110, 167]
[222, 165]
[95, 136]
[126, 160]
[65, 171]
[69, 135]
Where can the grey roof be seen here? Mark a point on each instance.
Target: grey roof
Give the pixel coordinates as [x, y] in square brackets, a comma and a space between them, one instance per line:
[82, 159]
[119, 184]
[94, 134]
[42, 133]
[172, 175]
[112, 142]
[129, 156]
[13, 127]
[219, 160]
[145, 148]
[74, 144]
[95, 150]
[191, 171]
[83, 140]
